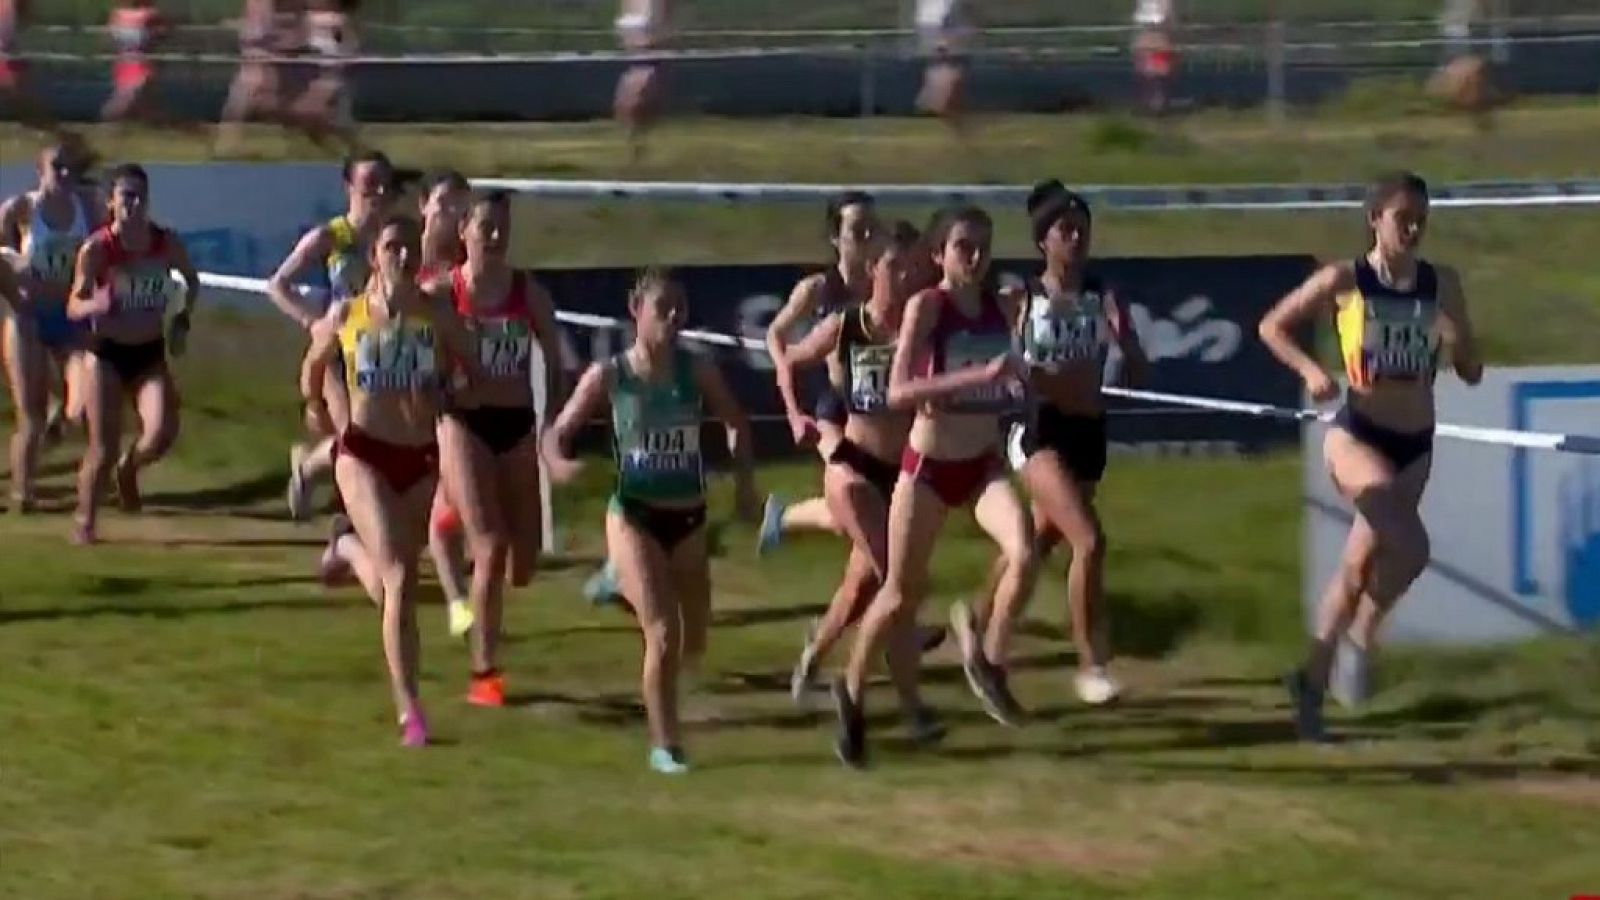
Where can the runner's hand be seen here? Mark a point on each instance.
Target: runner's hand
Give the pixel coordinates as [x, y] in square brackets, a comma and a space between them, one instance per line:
[804, 429]
[1321, 387]
[563, 470]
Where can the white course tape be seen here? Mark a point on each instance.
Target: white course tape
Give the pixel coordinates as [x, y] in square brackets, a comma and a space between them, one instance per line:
[1574, 192]
[1530, 440]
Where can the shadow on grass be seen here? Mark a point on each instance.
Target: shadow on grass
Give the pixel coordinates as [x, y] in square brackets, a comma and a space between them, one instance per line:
[246, 492]
[1338, 772]
[171, 611]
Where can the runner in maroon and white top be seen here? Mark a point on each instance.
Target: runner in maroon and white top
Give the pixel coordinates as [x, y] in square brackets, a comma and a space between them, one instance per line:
[122, 287]
[955, 363]
[488, 439]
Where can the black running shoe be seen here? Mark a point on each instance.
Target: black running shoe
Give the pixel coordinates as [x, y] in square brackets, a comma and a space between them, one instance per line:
[1011, 713]
[931, 637]
[851, 743]
[925, 727]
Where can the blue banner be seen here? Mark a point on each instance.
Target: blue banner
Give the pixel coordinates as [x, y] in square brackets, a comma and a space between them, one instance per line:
[1196, 318]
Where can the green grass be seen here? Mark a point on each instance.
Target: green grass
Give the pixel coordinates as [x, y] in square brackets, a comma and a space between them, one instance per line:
[185, 713]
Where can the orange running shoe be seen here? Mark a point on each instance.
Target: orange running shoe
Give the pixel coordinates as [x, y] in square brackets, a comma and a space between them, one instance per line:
[487, 690]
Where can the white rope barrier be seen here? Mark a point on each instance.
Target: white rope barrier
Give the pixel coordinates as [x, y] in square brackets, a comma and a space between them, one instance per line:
[1529, 440]
[1129, 198]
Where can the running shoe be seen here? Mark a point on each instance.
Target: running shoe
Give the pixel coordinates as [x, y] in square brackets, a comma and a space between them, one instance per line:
[1096, 687]
[299, 490]
[413, 729]
[55, 424]
[1352, 672]
[931, 637]
[1307, 703]
[851, 743]
[602, 589]
[461, 618]
[1010, 712]
[771, 525]
[925, 726]
[487, 690]
[668, 761]
[805, 670]
[986, 681]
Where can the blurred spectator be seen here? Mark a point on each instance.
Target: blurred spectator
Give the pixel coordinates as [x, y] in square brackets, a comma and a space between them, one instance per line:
[1466, 79]
[945, 30]
[135, 27]
[14, 92]
[1155, 53]
[641, 27]
[268, 31]
[326, 109]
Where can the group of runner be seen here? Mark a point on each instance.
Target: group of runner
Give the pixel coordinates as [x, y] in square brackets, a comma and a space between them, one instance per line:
[418, 390]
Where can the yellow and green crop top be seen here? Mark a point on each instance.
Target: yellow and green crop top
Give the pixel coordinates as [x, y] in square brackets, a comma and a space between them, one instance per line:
[399, 355]
[346, 261]
[1386, 334]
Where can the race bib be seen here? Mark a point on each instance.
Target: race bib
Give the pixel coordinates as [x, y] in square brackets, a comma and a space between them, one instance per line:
[672, 449]
[395, 359]
[140, 290]
[869, 377]
[966, 351]
[1400, 342]
[504, 346]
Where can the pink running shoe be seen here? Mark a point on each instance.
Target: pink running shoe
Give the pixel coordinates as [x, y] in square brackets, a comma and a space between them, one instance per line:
[413, 730]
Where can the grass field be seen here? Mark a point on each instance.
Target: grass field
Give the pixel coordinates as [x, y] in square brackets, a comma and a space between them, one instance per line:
[185, 713]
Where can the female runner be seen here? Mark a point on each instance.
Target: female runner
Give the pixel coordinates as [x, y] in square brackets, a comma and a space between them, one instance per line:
[857, 343]
[855, 234]
[342, 245]
[41, 232]
[1069, 324]
[445, 198]
[1392, 311]
[954, 364]
[489, 454]
[394, 342]
[122, 285]
[655, 524]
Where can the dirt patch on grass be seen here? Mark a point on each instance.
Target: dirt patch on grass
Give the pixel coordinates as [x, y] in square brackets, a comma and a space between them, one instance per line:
[1121, 831]
[1576, 791]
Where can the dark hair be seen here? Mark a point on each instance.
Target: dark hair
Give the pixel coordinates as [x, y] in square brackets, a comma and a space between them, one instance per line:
[377, 157]
[449, 179]
[129, 171]
[946, 220]
[495, 199]
[1390, 185]
[407, 224]
[1043, 191]
[903, 236]
[1052, 208]
[837, 205]
[654, 278]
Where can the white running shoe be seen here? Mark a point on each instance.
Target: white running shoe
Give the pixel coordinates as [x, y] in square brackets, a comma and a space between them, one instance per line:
[299, 490]
[1096, 687]
[1350, 684]
[461, 618]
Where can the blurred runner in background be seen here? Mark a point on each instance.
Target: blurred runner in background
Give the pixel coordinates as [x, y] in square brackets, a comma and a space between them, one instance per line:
[325, 110]
[135, 27]
[267, 29]
[16, 100]
[945, 30]
[641, 28]
[1155, 53]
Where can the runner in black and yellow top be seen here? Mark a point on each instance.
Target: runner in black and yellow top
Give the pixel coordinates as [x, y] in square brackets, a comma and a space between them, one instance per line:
[1394, 312]
[341, 245]
[394, 343]
[655, 532]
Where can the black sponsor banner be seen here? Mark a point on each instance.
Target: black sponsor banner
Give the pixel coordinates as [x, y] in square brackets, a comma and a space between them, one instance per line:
[1196, 318]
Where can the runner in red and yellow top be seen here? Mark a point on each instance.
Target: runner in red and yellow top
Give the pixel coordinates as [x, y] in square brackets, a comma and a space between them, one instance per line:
[395, 344]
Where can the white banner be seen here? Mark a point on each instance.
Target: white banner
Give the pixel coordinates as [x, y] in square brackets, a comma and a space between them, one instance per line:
[235, 218]
[1515, 532]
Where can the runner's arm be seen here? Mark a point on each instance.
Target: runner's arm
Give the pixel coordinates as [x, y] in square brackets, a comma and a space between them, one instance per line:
[1457, 327]
[313, 245]
[1135, 364]
[907, 391]
[454, 336]
[87, 300]
[1316, 298]
[178, 258]
[802, 300]
[587, 397]
[314, 369]
[719, 397]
